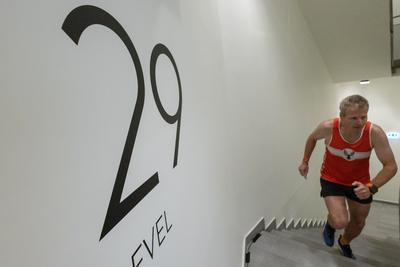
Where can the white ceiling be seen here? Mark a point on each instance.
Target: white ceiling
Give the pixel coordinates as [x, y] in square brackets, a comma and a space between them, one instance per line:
[353, 36]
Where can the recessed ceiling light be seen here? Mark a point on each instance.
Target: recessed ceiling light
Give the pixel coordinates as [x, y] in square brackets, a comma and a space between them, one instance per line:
[364, 82]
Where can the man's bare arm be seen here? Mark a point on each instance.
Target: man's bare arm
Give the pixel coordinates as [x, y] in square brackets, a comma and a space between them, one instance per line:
[385, 156]
[323, 130]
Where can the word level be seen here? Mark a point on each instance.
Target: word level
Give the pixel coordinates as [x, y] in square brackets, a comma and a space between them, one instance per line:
[161, 233]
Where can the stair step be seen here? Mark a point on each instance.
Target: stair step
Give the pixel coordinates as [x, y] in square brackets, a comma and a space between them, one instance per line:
[260, 258]
[305, 247]
[303, 254]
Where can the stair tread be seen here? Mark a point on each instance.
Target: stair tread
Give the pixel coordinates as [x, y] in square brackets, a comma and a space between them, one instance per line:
[258, 258]
[371, 240]
[363, 245]
[303, 253]
[388, 240]
[305, 247]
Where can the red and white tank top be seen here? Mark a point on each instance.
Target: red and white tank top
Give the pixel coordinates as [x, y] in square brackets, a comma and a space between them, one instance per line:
[346, 162]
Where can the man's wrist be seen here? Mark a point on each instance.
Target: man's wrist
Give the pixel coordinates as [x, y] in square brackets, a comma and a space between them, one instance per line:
[306, 159]
[372, 188]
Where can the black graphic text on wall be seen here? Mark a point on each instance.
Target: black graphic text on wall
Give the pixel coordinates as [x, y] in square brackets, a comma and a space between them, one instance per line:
[75, 23]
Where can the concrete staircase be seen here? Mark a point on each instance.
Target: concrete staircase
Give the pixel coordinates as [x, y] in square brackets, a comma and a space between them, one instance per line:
[305, 247]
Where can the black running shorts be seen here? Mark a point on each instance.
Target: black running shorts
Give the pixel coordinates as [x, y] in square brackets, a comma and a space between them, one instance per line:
[334, 189]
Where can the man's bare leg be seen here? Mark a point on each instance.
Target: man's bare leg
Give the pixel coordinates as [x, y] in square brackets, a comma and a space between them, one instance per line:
[337, 211]
[358, 216]
[337, 218]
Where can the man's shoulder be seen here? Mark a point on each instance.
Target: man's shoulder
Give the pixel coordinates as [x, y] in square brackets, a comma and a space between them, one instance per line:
[327, 124]
[324, 129]
[378, 135]
[377, 130]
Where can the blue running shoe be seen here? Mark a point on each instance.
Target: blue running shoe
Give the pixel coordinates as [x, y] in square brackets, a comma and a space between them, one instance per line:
[346, 250]
[329, 235]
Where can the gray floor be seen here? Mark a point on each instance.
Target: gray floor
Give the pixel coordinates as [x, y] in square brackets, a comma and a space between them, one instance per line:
[379, 244]
[383, 220]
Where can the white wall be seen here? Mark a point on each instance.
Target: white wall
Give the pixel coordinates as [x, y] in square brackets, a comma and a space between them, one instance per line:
[250, 73]
[396, 11]
[383, 95]
[396, 29]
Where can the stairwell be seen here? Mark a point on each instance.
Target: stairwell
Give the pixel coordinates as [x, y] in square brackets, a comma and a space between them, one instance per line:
[304, 247]
[378, 245]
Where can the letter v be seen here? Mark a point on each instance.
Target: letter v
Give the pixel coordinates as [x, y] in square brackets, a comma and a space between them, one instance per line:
[152, 244]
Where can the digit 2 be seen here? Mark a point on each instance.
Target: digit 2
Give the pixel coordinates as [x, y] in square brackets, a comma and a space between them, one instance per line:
[75, 23]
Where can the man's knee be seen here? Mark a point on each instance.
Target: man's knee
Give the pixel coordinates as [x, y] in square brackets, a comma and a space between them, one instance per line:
[358, 222]
[338, 222]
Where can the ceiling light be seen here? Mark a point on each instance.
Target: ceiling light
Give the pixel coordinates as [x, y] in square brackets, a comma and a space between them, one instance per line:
[364, 82]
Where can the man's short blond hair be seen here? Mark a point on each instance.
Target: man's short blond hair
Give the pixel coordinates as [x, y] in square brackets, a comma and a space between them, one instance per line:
[352, 100]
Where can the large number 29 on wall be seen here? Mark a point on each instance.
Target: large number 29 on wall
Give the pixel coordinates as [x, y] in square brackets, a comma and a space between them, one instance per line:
[75, 23]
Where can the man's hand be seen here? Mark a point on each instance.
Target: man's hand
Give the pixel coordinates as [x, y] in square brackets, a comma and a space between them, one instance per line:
[303, 169]
[361, 190]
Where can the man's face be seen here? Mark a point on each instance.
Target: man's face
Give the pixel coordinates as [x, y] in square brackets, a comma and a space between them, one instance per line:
[355, 117]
